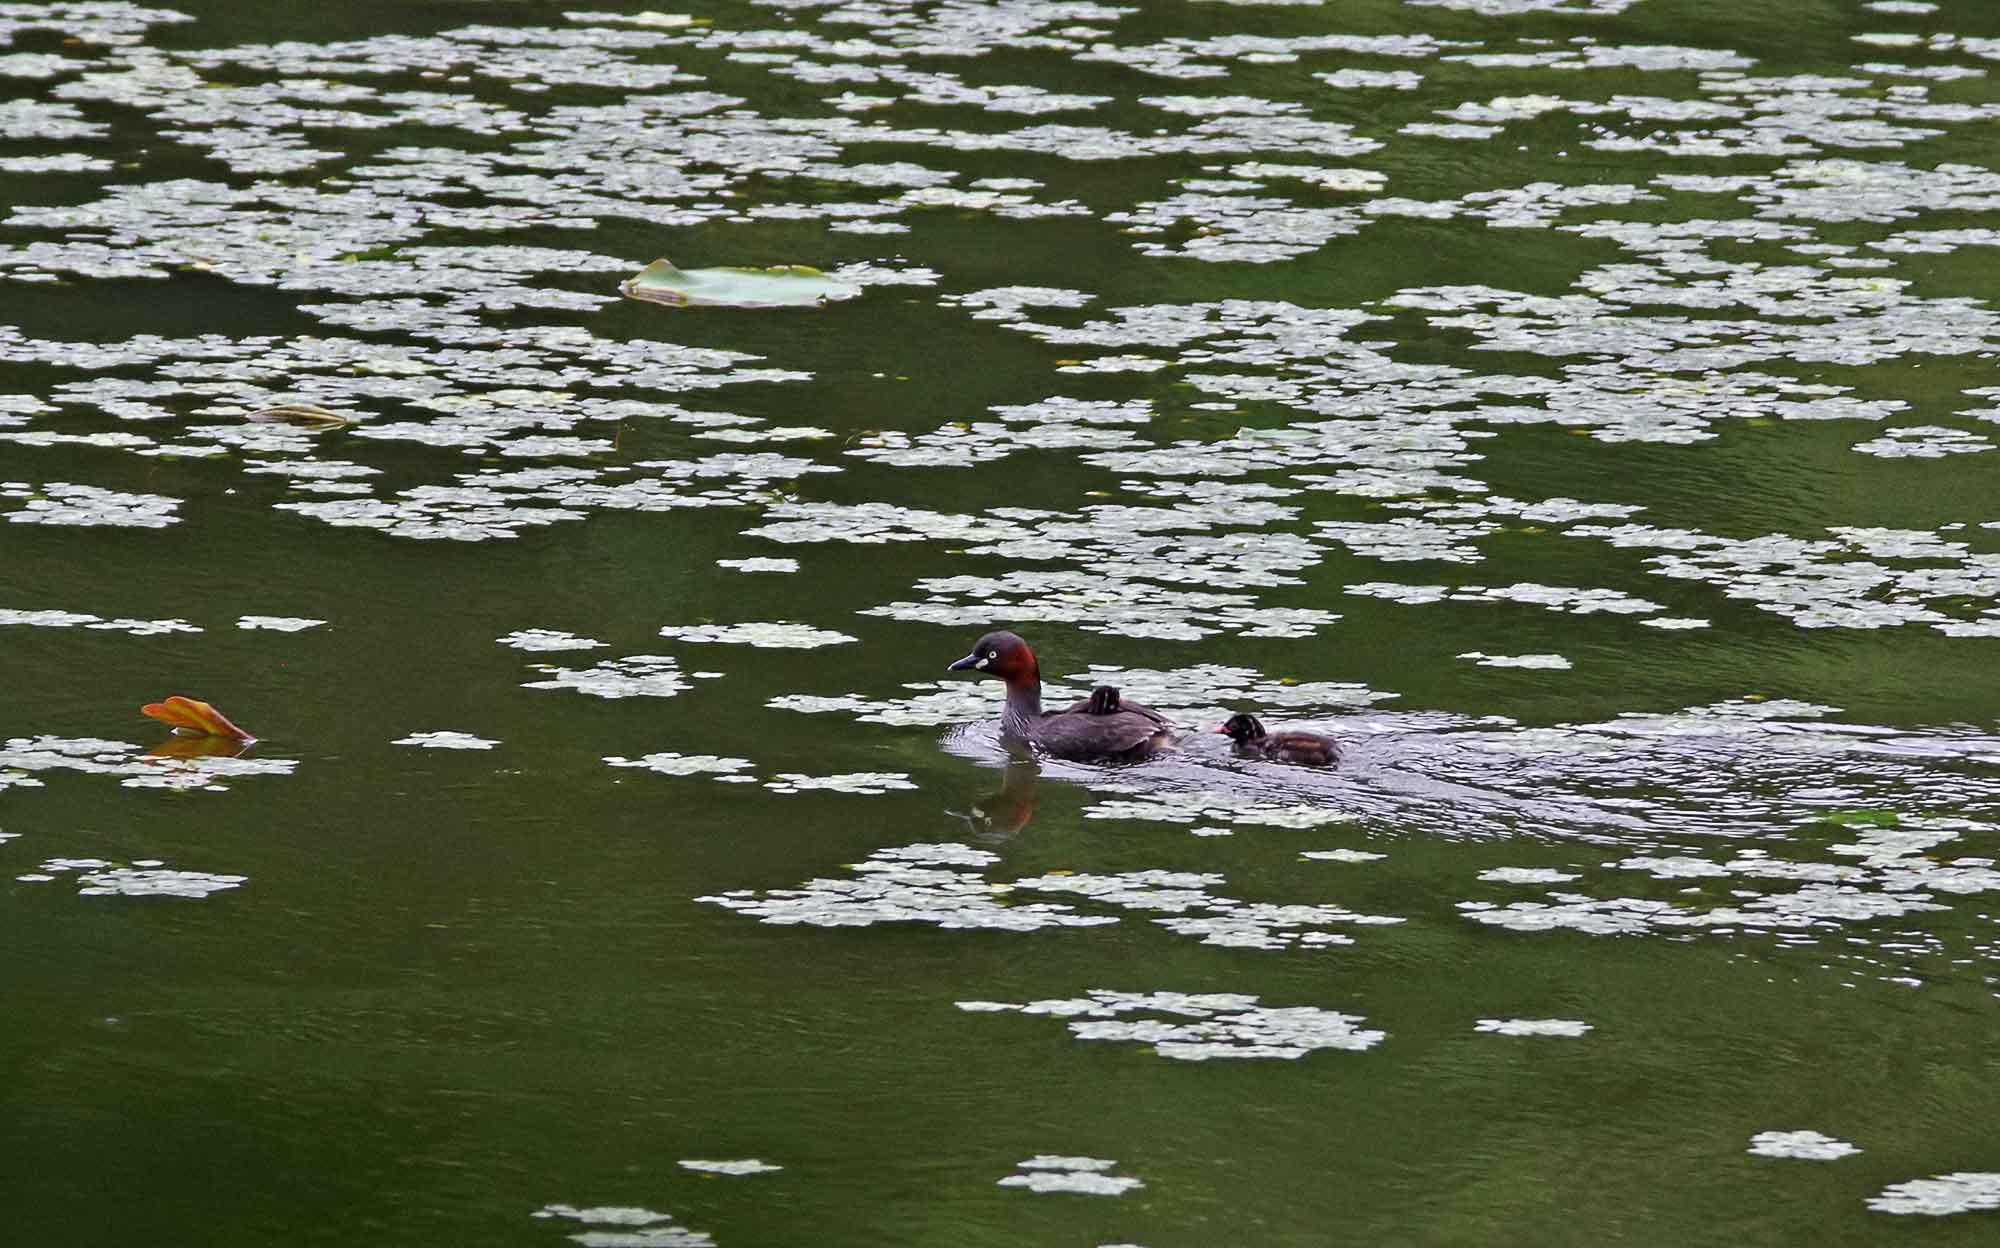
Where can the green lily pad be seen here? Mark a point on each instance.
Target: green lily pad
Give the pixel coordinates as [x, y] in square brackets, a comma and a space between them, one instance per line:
[783, 286]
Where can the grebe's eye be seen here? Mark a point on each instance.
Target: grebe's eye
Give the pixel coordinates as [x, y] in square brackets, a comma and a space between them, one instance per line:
[992, 654]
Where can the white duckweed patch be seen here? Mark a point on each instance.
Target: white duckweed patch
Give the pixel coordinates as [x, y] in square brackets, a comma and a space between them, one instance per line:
[1195, 806]
[775, 636]
[445, 740]
[49, 618]
[1126, 608]
[748, 1165]
[1526, 875]
[144, 878]
[852, 782]
[624, 1226]
[1800, 1146]
[538, 640]
[1924, 442]
[1191, 910]
[605, 1215]
[1563, 599]
[943, 885]
[1543, 662]
[913, 884]
[87, 506]
[637, 676]
[24, 760]
[935, 703]
[1960, 1192]
[671, 764]
[277, 623]
[1082, 1176]
[1198, 1027]
[1532, 1026]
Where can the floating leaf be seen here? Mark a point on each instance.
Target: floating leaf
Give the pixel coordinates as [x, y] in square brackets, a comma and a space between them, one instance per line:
[783, 286]
[194, 717]
[1873, 818]
[304, 414]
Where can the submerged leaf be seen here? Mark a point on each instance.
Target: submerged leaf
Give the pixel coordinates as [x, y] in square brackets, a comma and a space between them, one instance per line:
[304, 414]
[784, 286]
[196, 718]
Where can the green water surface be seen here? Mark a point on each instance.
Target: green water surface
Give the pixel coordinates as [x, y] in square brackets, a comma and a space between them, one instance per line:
[462, 996]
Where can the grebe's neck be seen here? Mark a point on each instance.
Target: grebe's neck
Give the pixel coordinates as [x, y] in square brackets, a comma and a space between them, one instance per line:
[1024, 704]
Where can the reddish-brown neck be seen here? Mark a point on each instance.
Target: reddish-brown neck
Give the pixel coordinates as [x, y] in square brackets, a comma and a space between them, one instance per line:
[1024, 699]
[1024, 674]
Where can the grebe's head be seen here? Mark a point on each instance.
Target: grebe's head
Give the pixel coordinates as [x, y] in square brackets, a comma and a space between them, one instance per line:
[1242, 729]
[1002, 656]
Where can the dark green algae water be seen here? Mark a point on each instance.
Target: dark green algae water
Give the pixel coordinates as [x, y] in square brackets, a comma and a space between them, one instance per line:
[1711, 356]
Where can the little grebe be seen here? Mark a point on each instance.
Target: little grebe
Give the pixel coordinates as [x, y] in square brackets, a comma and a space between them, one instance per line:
[1290, 746]
[1103, 726]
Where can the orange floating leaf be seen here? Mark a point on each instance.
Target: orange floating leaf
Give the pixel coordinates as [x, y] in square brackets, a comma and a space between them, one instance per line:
[197, 718]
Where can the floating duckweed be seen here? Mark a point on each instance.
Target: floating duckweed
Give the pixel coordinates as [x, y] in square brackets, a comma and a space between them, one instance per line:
[143, 882]
[540, 640]
[23, 759]
[1554, 597]
[1800, 1146]
[278, 623]
[605, 1215]
[1964, 1191]
[914, 884]
[446, 741]
[1200, 1026]
[870, 782]
[748, 1165]
[671, 764]
[87, 506]
[148, 878]
[1532, 1026]
[1923, 442]
[1543, 662]
[49, 618]
[1514, 8]
[1526, 875]
[1236, 808]
[639, 1227]
[1083, 1176]
[773, 636]
[638, 676]
[1342, 855]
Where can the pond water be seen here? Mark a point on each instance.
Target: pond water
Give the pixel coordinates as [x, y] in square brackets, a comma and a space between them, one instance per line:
[1578, 407]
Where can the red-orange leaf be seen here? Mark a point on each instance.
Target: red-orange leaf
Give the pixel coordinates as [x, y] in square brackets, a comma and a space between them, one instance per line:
[190, 715]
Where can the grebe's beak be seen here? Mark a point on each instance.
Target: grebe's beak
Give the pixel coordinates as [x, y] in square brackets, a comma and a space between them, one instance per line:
[1220, 730]
[967, 663]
